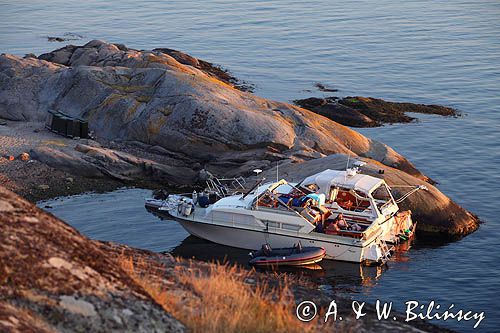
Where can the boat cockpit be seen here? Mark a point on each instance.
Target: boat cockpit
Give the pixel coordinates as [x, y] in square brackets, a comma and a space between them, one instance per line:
[311, 206]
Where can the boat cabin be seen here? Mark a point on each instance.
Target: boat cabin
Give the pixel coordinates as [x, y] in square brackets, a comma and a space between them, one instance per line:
[335, 202]
[351, 193]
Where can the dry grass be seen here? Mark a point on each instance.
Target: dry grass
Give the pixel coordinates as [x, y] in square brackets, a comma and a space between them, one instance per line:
[220, 298]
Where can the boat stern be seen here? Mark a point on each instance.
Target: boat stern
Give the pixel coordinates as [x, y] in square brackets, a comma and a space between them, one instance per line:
[377, 253]
[399, 228]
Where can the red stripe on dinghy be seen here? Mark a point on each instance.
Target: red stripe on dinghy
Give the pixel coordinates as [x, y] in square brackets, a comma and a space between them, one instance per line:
[292, 260]
[267, 262]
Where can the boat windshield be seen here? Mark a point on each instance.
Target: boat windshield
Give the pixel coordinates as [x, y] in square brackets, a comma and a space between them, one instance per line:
[349, 199]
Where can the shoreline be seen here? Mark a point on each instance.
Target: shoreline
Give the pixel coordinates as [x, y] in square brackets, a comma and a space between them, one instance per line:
[38, 181]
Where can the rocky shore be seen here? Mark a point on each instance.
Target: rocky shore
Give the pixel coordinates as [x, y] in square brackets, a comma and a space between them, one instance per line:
[54, 279]
[161, 117]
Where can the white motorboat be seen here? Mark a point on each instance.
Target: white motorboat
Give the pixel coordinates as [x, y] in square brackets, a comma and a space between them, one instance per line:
[260, 216]
[282, 213]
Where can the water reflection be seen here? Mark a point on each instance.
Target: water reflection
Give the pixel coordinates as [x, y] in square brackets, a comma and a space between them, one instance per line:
[334, 276]
[331, 275]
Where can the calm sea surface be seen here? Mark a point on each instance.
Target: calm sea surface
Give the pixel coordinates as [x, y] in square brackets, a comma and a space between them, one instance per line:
[444, 52]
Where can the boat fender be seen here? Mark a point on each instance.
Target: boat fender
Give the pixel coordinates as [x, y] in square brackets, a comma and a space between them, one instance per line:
[203, 201]
[184, 208]
[195, 197]
[187, 209]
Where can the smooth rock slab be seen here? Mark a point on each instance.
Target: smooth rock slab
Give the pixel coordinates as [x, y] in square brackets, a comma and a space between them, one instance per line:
[84, 308]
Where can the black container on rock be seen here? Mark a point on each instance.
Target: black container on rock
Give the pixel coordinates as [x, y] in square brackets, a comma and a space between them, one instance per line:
[66, 125]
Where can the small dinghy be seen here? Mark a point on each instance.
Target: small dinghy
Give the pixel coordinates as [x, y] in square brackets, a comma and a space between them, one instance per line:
[287, 256]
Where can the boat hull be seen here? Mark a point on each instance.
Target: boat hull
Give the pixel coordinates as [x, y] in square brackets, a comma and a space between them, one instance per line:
[253, 240]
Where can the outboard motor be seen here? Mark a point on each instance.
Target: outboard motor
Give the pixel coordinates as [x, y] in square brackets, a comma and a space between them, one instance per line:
[187, 208]
[266, 249]
[160, 195]
[180, 207]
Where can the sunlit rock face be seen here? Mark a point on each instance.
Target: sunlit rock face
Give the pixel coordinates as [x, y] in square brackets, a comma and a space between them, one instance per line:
[151, 97]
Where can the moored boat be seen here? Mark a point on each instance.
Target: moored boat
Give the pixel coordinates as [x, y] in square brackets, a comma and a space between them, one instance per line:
[314, 212]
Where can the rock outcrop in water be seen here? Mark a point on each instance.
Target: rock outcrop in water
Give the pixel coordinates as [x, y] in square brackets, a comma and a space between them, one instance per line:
[54, 279]
[183, 110]
[367, 111]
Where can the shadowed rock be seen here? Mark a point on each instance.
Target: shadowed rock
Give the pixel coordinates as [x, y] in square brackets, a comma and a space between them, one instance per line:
[97, 162]
[54, 279]
[367, 111]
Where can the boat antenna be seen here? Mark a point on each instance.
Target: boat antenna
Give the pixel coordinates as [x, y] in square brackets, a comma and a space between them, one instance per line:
[259, 181]
[348, 158]
[347, 164]
[277, 177]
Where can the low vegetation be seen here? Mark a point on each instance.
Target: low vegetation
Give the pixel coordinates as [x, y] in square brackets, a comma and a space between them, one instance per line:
[221, 298]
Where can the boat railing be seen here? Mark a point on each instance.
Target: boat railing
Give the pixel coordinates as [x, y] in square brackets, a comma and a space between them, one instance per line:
[280, 203]
[226, 186]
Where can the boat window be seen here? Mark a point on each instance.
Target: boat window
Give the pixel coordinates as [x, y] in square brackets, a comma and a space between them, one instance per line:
[349, 199]
[266, 200]
[231, 218]
[292, 227]
[271, 224]
[381, 193]
[311, 188]
[361, 194]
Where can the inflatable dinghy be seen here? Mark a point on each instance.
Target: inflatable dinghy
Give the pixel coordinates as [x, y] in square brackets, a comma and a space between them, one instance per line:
[287, 256]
